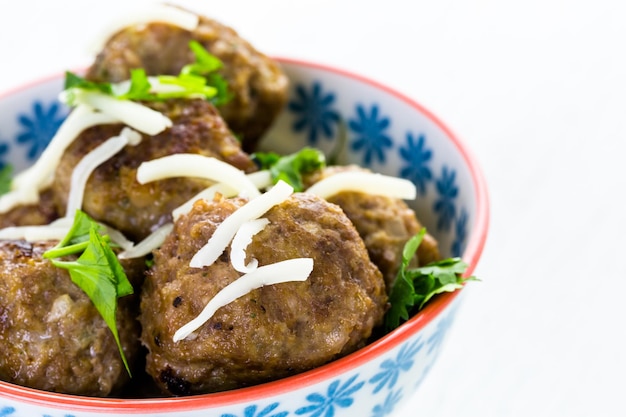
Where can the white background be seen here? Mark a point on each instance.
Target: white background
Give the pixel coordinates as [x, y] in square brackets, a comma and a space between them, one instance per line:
[537, 90]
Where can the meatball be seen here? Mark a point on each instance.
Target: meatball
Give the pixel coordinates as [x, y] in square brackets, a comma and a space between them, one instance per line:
[32, 214]
[114, 196]
[385, 224]
[274, 331]
[53, 338]
[258, 84]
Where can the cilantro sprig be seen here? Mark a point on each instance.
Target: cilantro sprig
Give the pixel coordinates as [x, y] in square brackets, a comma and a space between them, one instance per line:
[6, 178]
[290, 168]
[198, 79]
[414, 287]
[97, 271]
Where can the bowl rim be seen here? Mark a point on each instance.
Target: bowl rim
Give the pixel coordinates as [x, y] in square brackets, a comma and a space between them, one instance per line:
[340, 366]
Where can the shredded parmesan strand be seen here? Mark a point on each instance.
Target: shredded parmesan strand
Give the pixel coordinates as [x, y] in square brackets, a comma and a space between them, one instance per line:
[242, 239]
[197, 166]
[34, 233]
[27, 184]
[155, 13]
[91, 161]
[364, 182]
[118, 237]
[151, 242]
[260, 179]
[225, 232]
[297, 269]
[133, 114]
[206, 194]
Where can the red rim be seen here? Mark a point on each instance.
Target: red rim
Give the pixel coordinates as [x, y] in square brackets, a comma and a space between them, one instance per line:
[136, 406]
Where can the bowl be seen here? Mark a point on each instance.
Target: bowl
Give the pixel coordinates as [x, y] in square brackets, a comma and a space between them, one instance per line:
[353, 120]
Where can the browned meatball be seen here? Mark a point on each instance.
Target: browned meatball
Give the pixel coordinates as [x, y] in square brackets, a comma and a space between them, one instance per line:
[257, 82]
[385, 225]
[274, 331]
[114, 196]
[31, 214]
[53, 338]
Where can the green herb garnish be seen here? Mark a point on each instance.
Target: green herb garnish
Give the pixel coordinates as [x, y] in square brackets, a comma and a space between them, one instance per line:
[6, 178]
[290, 168]
[198, 79]
[415, 286]
[97, 271]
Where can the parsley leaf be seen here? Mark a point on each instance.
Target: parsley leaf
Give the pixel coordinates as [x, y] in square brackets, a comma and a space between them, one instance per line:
[6, 177]
[198, 79]
[290, 168]
[96, 271]
[414, 287]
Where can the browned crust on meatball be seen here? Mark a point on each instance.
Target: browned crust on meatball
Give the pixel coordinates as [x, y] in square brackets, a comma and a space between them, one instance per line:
[38, 214]
[274, 331]
[53, 338]
[257, 82]
[114, 196]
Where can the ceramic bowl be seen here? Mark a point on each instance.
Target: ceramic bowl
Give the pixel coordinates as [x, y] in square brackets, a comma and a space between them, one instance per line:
[354, 120]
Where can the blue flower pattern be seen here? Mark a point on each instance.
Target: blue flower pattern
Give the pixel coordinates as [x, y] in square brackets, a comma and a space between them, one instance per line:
[336, 396]
[435, 340]
[460, 234]
[391, 369]
[386, 408]
[370, 130]
[4, 151]
[38, 129]
[251, 412]
[315, 112]
[6, 411]
[417, 158]
[445, 204]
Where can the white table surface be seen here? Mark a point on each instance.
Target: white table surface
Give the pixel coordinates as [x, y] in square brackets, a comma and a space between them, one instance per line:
[538, 90]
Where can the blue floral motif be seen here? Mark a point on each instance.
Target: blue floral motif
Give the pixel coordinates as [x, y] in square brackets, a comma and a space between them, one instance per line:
[251, 412]
[391, 368]
[436, 339]
[444, 206]
[38, 129]
[370, 134]
[417, 157]
[424, 373]
[315, 112]
[4, 151]
[6, 411]
[66, 415]
[461, 234]
[336, 396]
[386, 408]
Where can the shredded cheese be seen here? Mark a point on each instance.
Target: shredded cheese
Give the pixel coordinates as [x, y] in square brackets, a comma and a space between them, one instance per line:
[206, 194]
[297, 269]
[364, 182]
[118, 237]
[27, 184]
[155, 13]
[260, 179]
[151, 242]
[33, 233]
[91, 161]
[242, 239]
[55, 230]
[198, 166]
[225, 232]
[133, 114]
